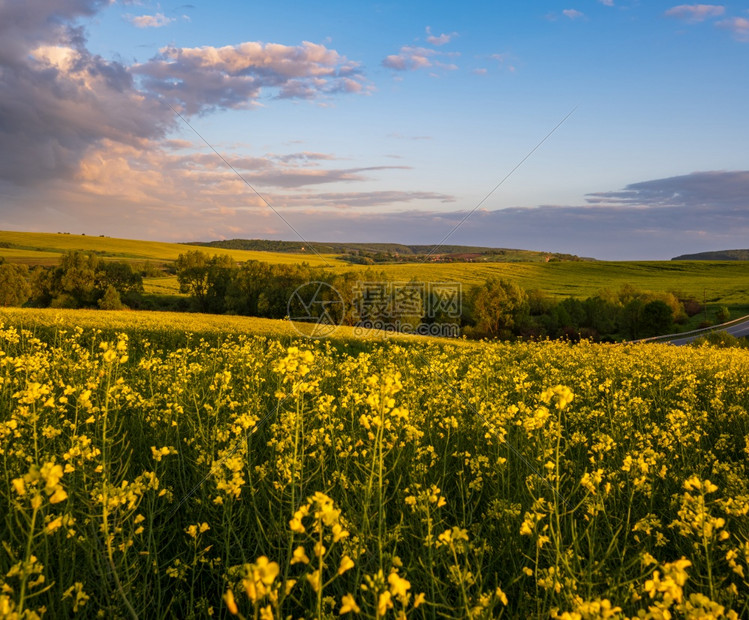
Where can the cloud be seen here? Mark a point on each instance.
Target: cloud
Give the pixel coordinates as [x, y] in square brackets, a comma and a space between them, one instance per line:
[150, 21]
[727, 189]
[57, 99]
[201, 79]
[695, 12]
[739, 26]
[573, 13]
[441, 39]
[607, 2]
[409, 59]
[358, 200]
[505, 61]
[196, 197]
[59, 102]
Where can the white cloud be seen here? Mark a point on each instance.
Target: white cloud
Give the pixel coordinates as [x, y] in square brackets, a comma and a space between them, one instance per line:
[441, 39]
[607, 2]
[151, 21]
[573, 13]
[409, 59]
[234, 76]
[739, 26]
[696, 12]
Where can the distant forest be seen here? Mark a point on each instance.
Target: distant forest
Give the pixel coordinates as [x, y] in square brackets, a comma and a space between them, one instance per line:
[718, 255]
[370, 253]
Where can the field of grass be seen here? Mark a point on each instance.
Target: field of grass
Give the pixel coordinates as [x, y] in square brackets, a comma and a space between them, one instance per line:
[727, 282]
[146, 474]
[721, 282]
[37, 247]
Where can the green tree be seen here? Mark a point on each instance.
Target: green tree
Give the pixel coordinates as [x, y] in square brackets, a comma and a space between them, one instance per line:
[15, 289]
[192, 275]
[120, 275]
[630, 318]
[498, 307]
[207, 279]
[78, 277]
[723, 315]
[657, 318]
[111, 299]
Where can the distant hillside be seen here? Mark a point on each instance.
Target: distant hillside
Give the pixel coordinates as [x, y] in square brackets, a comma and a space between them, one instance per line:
[718, 255]
[393, 252]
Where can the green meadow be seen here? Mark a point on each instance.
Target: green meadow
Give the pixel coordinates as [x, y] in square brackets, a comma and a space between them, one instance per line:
[717, 282]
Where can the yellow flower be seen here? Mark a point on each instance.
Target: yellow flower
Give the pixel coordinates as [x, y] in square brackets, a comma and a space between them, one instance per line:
[266, 613]
[346, 564]
[231, 603]
[314, 580]
[348, 604]
[398, 586]
[384, 603]
[299, 556]
[501, 595]
[266, 571]
[53, 525]
[58, 496]
[19, 486]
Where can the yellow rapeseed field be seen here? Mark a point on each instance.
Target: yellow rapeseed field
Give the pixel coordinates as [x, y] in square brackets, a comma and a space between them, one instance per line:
[149, 476]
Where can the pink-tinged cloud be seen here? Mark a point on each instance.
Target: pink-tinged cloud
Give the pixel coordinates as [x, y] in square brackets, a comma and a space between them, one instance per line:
[151, 21]
[60, 102]
[234, 76]
[573, 13]
[695, 12]
[442, 39]
[409, 59]
[739, 26]
[607, 2]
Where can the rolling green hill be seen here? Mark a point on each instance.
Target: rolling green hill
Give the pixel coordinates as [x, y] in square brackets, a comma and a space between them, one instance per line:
[718, 255]
[393, 251]
[723, 282]
[46, 249]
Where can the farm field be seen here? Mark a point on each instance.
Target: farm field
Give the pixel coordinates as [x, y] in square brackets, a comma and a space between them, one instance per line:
[47, 248]
[147, 474]
[720, 282]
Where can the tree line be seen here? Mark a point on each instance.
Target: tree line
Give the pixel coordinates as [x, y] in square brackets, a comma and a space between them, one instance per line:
[495, 309]
[217, 284]
[82, 280]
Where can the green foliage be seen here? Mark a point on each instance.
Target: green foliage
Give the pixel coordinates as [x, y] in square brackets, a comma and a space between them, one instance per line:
[15, 289]
[110, 300]
[657, 318]
[723, 315]
[497, 307]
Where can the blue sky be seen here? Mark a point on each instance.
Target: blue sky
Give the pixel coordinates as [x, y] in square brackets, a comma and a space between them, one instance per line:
[383, 121]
